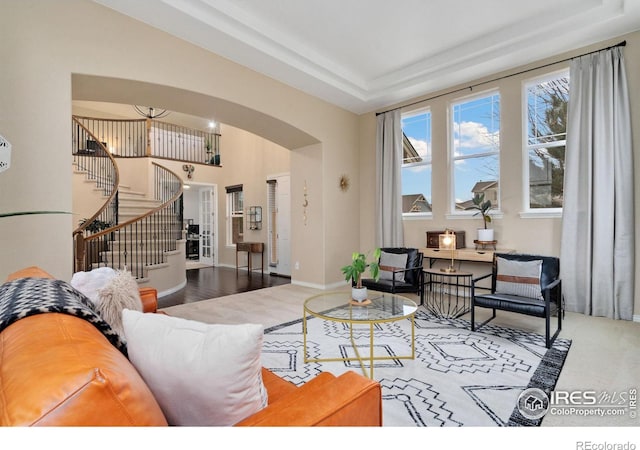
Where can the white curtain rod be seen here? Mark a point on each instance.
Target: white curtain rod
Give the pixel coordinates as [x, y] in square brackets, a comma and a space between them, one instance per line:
[621, 44]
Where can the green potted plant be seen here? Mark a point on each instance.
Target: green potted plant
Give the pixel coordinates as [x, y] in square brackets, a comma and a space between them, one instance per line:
[96, 225]
[483, 206]
[353, 273]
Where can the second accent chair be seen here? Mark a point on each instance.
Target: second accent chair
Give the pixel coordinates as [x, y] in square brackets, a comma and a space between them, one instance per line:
[400, 272]
[524, 284]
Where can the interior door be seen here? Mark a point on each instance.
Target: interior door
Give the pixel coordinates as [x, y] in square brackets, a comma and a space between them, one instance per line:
[207, 225]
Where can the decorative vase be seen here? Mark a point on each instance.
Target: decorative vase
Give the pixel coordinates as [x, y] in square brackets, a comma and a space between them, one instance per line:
[359, 294]
[485, 234]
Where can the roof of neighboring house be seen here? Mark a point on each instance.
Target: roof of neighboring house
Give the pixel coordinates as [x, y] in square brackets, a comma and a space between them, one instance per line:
[409, 153]
[482, 186]
[463, 206]
[415, 203]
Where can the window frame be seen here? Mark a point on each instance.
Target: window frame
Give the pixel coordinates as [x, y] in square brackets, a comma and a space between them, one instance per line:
[453, 213]
[411, 113]
[527, 211]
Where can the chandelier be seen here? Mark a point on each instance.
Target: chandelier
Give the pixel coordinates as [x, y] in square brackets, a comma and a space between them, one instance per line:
[151, 113]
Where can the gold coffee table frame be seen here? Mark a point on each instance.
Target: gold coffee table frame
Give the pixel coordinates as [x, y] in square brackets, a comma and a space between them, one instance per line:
[379, 308]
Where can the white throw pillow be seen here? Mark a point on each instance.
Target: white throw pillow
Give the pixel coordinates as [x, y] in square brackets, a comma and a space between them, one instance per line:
[390, 262]
[521, 278]
[90, 282]
[200, 374]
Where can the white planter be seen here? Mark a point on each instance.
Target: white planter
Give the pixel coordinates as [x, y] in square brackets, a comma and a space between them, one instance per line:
[359, 294]
[485, 235]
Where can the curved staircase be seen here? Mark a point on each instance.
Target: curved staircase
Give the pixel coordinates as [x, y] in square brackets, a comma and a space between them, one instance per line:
[130, 230]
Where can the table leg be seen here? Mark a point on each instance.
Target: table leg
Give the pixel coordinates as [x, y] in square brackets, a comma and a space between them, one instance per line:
[304, 336]
[371, 350]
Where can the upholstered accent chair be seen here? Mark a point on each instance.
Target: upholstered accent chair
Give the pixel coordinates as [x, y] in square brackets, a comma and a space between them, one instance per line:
[524, 284]
[400, 272]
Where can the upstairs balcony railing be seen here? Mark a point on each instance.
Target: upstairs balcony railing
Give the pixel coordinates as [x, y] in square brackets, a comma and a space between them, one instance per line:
[136, 138]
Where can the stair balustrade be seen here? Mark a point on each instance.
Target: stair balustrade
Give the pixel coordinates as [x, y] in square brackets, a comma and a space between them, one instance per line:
[136, 138]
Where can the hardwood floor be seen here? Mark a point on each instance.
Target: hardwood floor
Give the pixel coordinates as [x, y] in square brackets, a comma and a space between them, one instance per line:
[212, 282]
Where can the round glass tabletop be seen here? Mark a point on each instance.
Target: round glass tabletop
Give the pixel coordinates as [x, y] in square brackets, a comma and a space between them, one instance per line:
[380, 307]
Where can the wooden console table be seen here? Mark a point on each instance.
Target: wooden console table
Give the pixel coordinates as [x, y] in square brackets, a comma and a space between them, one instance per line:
[462, 254]
[250, 248]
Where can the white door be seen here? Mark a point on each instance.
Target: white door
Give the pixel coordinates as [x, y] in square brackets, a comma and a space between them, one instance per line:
[279, 215]
[207, 225]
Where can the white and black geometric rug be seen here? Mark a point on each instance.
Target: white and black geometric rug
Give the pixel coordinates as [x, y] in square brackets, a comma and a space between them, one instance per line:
[458, 377]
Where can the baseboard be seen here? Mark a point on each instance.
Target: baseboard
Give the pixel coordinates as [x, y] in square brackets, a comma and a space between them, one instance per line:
[636, 317]
[172, 290]
[324, 287]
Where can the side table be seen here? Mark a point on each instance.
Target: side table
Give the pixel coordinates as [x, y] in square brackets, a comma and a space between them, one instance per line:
[447, 294]
[250, 247]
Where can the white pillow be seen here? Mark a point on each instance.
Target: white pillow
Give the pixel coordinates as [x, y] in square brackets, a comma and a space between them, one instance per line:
[389, 262]
[90, 282]
[200, 374]
[521, 278]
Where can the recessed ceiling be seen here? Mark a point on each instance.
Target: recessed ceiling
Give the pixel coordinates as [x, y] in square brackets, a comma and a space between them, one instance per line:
[364, 55]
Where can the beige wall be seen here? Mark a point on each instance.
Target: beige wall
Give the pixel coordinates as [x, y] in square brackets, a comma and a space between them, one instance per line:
[44, 45]
[535, 235]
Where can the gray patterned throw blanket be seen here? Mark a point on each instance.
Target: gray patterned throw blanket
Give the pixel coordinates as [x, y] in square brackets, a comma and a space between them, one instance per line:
[29, 296]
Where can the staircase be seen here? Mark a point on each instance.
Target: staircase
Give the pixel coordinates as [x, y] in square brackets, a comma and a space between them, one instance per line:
[132, 230]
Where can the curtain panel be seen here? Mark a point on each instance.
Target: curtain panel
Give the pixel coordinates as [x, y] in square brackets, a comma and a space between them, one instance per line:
[598, 241]
[389, 228]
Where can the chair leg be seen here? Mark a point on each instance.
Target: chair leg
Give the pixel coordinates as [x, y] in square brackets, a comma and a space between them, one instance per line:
[549, 340]
[493, 316]
[473, 317]
[547, 328]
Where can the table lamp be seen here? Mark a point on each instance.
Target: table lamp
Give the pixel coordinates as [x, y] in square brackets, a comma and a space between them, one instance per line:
[447, 241]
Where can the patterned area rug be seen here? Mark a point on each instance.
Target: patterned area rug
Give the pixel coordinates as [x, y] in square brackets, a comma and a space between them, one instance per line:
[458, 377]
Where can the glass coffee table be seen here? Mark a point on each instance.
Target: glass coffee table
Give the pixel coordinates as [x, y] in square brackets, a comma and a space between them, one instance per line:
[380, 307]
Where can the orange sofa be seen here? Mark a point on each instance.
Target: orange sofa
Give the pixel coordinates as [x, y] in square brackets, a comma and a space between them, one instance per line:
[59, 370]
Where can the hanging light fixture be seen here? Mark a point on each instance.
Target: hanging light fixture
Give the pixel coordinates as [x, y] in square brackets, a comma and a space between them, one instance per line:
[150, 112]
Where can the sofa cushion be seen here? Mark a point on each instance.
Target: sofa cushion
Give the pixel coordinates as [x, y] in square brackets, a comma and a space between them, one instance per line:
[389, 262]
[201, 374]
[521, 278]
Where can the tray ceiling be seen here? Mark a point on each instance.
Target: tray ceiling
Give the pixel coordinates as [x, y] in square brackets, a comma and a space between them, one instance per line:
[366, 55]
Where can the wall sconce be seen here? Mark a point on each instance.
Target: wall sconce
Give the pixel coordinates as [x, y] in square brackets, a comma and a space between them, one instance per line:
[447, 241]
[189, 169]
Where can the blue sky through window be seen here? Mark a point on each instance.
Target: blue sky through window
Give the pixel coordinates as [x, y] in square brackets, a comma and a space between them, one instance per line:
[416, 178]
[475, 141]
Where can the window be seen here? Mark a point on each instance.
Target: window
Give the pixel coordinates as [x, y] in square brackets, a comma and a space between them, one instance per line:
[416, 163]
[235, 214]
[546, 101]
[475, 150]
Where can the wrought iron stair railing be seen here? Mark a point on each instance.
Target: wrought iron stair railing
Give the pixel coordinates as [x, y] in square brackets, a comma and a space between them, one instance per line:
[137, 138]
[92, 157]
[142, 242]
